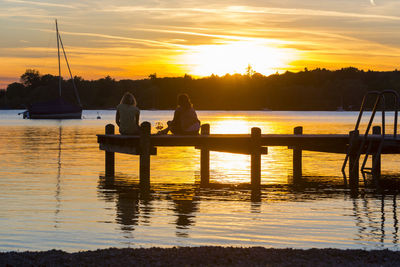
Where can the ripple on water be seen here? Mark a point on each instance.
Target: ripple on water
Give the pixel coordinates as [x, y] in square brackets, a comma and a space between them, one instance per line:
[54, 195]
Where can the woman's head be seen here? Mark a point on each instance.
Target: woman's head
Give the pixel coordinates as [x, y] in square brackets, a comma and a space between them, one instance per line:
[184, 101]
[128, 99]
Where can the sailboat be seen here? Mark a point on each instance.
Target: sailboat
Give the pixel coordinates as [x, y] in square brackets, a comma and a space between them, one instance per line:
[57, 108]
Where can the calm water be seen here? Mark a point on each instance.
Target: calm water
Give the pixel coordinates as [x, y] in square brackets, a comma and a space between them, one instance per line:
[53, 193]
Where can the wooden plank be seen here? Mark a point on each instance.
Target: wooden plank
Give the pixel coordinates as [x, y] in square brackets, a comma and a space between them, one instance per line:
[118, 139]
[237, 142]
[270, 140]
[131, 150]
[266, 140]
[245, 150]
[233, 143]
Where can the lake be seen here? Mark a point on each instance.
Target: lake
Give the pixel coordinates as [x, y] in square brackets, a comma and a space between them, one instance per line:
[54, 195]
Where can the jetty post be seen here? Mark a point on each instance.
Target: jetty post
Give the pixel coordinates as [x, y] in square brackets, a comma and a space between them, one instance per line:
[110, 156]
[354, 166]
[297, 157]
[205, 158]
[145, 149]
[255, 158]
[376, 159]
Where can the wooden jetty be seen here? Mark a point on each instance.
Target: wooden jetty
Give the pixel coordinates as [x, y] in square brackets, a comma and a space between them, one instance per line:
[254, 144]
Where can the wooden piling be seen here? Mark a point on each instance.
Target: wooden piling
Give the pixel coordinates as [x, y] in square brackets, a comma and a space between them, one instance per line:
[256, 194]
[145, 146]
[110, 156]
[354, 166]
[255, 158]
[376, 159]
[297, 157]
[205, 158]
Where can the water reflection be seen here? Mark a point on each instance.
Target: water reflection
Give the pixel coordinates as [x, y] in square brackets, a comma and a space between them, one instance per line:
[58, 184]
[373, 220]
[49, 173]
[127, 197]
[185, 202]
[395, 221]
[374, 216]
[134, 205]
[255, 207]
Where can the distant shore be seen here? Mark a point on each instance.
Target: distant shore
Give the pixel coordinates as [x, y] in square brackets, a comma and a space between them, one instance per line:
[204, 256]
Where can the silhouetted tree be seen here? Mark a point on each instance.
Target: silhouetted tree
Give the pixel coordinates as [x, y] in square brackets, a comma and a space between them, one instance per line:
[15, 90]
[31, 78]
[317, 89]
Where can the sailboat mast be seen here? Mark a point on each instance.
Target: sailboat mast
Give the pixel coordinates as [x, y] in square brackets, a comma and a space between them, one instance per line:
[70, 73]
[59, 64]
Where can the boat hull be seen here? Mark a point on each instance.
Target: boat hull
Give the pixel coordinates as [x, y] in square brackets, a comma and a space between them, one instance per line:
[54, 109]
[55, 116]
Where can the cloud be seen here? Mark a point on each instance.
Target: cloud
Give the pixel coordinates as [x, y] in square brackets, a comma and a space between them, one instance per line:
[244, 9]
[129, 9]
[22, 14]
[122, 38]
[45, 4]
[307, 12]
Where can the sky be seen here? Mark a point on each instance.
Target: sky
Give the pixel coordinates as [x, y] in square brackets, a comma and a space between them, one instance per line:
[133, 39]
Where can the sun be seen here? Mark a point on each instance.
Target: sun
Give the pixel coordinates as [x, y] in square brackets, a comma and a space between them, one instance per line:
[235, 57]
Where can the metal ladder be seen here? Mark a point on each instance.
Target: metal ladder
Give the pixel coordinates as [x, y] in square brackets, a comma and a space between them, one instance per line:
[379, 96]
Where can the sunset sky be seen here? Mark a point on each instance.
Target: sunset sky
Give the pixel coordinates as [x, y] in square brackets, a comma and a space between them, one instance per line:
[132, 39]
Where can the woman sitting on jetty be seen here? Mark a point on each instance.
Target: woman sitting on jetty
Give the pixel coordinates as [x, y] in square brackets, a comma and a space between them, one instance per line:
[127, 116]
[185, 121]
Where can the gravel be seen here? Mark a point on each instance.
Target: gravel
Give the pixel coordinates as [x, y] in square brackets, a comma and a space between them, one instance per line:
[203, 256]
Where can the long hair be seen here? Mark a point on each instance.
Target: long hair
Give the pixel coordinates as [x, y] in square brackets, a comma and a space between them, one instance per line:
[184, 101]
[128, 99]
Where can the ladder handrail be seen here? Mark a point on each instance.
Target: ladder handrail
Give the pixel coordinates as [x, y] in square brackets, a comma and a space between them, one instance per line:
[396, 110]
[379, 150]
[350, 148]
[371, 119]
[380, 98]
[363, 107]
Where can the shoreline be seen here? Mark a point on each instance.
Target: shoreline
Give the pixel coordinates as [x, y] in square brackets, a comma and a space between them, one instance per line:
[204, 256]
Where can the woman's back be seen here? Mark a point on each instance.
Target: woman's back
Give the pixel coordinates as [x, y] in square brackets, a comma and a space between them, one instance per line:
[188, 119]
[127, 119]
[185, 119]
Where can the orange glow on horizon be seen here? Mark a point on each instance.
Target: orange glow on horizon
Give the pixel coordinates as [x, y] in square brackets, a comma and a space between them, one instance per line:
[173, 39]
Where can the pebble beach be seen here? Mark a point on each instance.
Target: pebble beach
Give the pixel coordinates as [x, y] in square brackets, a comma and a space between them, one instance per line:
[204, 256]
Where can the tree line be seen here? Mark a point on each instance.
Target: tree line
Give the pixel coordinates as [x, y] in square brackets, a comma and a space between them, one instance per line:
[318, 89]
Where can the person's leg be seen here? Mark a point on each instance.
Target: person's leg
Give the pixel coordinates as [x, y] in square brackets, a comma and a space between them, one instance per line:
[172, 128]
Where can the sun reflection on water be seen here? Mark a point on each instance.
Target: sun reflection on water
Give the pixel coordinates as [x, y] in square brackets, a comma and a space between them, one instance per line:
[235, 168]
